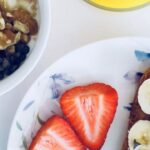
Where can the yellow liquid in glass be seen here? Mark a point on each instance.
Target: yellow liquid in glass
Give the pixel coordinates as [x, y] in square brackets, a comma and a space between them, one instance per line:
[119, 4]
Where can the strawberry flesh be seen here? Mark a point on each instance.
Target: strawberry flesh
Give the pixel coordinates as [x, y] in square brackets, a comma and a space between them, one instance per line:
[90, 110]
[56, 134]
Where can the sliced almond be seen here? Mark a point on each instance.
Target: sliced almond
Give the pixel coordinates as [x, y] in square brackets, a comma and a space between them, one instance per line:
[8, 38]
[29, 5]
[3, 3]
[8, 14]
[2, 22]
[26, 38]
[19, 26]
[8, 26]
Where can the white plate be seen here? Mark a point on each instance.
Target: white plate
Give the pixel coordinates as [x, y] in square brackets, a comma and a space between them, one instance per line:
[112, 61]
[44, 19]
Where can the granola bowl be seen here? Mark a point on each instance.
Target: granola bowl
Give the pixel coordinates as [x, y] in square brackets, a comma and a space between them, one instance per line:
[25, 43]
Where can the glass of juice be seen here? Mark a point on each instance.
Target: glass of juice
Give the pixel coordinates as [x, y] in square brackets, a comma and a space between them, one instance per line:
[119, 5]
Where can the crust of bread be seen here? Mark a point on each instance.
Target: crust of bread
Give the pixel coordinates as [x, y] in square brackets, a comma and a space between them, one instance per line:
[136, 112]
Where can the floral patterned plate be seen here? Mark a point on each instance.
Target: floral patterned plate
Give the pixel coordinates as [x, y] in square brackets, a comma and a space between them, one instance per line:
[119, 62]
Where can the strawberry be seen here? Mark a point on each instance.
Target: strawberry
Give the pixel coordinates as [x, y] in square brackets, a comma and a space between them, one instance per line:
[90, 110]
[56, 134]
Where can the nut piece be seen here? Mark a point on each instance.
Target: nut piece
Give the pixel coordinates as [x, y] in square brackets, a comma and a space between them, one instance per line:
[29, 5]
[25, 38]
[8, 14]
[2, 22]
[11, 49]
[19, 26]
[24, 17]
[9, 26]
[8, 38]
[9, 17]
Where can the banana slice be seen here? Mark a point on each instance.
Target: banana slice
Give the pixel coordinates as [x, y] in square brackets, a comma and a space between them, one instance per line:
[142, 147]
[144, 96]
[139, 136]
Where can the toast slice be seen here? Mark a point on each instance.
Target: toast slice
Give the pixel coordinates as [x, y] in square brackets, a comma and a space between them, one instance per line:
[136, 112]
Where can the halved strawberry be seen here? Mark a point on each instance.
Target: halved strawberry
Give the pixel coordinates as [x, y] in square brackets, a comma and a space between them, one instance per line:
[90, 110]
[56, 134]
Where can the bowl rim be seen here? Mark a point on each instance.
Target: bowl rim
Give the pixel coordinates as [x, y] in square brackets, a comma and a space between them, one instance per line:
[56, 62]
[30, 63]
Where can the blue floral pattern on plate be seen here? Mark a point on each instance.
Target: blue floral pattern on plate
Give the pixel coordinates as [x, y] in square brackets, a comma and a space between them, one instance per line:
[56, 86]
[129, 107]
[58, 82]
[141, 55]
[133, 76]
[28, 105]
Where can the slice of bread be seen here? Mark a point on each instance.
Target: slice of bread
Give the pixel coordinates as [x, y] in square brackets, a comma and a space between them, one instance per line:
[136, 112]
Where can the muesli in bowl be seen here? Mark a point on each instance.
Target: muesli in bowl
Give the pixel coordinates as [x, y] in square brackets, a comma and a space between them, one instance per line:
[18, 26]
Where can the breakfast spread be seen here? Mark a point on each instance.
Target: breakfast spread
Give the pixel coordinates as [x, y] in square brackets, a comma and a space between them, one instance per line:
[138, 137]
[17, 26]
[89, 111]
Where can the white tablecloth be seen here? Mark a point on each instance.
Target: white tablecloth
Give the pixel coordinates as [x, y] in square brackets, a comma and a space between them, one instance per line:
[74, 24]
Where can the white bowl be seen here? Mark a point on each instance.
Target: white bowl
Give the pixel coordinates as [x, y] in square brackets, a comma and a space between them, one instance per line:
[113, 62]
[36, 52]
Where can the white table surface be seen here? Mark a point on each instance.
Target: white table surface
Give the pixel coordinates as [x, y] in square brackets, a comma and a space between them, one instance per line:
[74, 24]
